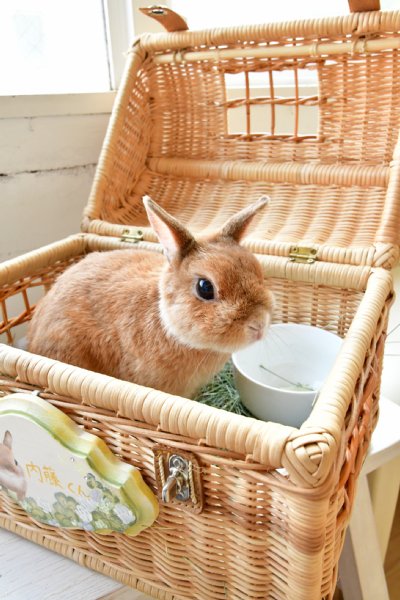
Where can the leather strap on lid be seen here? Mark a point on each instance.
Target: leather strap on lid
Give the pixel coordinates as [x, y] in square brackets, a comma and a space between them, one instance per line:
[167, 17]
[364, 5]
[172, 21]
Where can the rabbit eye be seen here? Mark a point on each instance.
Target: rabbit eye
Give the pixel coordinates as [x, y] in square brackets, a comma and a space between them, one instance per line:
[205, 289]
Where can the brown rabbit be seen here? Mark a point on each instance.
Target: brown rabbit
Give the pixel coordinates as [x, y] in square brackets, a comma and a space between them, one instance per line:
[11, 473]
[168, 323]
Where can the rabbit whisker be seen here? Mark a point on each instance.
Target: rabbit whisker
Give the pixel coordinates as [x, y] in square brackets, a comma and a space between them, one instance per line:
[393, 330]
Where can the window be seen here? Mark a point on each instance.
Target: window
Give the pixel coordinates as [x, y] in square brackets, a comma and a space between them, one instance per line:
[224, 13]
[75, 46]
[273, 102]
[53, 46]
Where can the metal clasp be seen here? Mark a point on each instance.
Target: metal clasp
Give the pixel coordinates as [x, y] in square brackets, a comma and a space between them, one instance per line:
[179, 478]
[133, 235]
[303, 254]
[177, 482]
[157, 9]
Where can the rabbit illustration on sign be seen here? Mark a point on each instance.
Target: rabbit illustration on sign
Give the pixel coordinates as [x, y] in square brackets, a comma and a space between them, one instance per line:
[11, 473]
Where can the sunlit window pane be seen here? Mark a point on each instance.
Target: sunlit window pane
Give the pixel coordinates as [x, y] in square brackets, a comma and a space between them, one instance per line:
[52, 46]
[224, 13]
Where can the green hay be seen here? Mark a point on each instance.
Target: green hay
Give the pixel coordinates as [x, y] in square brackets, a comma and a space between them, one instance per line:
[222, 393]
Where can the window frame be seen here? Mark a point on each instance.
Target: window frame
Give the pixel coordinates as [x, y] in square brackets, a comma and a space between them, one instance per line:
[123, 23]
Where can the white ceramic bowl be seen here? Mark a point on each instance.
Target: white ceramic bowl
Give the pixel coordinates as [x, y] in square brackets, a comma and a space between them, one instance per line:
[296, 360]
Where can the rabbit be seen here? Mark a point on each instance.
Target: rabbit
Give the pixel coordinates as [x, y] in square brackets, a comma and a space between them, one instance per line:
[11, 473]
[166, 322]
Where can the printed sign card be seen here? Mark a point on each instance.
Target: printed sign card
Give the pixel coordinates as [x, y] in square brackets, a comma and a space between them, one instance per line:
[65, 477]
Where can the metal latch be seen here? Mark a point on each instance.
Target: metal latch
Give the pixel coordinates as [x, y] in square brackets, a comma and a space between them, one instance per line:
[303, 254]
[177, 484]
[133, 235]
[179, 478]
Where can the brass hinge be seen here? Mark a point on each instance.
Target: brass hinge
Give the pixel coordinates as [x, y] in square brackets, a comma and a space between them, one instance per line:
[132, 235]
[303, 254]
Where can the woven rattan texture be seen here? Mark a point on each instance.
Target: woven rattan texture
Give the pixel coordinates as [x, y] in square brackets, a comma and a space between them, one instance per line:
[174, 138]
[254, 528]
[254, 539]
[276, 499]
[260, 531]
[296, 302]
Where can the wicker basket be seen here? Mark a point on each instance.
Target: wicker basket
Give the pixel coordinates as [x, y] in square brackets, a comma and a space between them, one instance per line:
[270, 503]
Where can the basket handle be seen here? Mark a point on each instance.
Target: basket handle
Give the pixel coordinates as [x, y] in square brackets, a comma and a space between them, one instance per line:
[172, 21]
[168, 18]
[364, 5]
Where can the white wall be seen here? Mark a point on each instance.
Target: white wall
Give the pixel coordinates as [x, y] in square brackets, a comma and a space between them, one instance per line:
[48, 151]
[49, 147]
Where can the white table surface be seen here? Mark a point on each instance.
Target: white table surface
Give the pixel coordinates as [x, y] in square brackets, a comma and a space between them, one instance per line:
[32, 572]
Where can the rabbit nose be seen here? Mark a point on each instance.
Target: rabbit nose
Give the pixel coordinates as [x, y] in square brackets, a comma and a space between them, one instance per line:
[257, 330]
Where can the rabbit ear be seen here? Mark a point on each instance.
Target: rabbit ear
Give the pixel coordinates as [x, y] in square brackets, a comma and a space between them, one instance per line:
[174, 237]
[236, 226]
[7, 441]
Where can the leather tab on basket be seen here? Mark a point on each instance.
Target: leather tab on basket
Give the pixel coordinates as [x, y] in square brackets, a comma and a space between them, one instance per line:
[178, 476]
[168, 18]
[364, 5]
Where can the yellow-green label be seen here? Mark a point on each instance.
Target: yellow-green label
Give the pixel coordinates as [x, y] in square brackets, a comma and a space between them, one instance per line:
[65, 477]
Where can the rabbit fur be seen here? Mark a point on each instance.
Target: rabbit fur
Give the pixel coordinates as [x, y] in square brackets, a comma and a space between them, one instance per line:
[141, 316]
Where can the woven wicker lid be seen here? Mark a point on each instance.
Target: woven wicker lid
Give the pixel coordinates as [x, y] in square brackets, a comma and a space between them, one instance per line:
[334, 191]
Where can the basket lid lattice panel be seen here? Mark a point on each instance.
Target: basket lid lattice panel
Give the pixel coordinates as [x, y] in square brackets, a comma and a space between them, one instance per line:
[306, 113]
